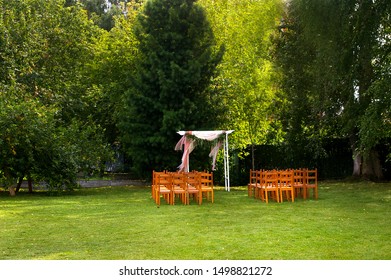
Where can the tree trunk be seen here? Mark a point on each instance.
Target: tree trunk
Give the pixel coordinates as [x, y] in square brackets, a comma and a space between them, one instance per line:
[253, 156]
[19, 184]
[357, 157]
[30, 184]
[367, 165]
[371, 167]
[12, 190]
[10, 182]
[357, 162]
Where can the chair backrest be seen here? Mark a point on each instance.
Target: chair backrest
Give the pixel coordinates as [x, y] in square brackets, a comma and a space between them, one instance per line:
[163, 179]
[206, 178]
[155, 175]
[298, 177]
[311, 176]
[254, 176]
[178, 179]
[261, 176]
[193, 178]
[285, 178]
[270, 178]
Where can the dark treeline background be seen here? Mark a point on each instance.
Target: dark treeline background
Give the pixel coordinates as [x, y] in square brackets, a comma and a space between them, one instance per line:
[94, 86]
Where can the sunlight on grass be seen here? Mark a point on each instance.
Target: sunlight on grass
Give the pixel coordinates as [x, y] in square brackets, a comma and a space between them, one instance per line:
[348, 221]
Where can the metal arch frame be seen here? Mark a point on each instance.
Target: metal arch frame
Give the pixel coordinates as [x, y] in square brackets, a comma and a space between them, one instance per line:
[226, 156]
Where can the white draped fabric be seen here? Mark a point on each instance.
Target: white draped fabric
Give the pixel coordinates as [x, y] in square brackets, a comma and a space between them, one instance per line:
[187, 144]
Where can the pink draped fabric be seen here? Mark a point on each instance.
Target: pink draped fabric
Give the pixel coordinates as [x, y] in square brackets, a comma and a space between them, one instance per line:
[213, 154]
[187, 144]
[207, 135]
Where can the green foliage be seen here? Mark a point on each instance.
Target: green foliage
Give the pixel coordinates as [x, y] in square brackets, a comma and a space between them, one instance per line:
[46, 105]
[375, 123]
[169, 91]
[333, 55]
[114, 66]
[247, 79]
[29, 142]
[68, 86]
[101, 13]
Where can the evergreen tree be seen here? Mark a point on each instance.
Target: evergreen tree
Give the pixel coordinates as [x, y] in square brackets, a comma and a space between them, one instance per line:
[170, 91]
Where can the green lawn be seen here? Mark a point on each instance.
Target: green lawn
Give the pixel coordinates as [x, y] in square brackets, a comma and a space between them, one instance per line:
[348, 221]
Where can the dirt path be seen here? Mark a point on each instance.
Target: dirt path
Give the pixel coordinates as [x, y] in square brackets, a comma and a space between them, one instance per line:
[110, 183]
[102, 183]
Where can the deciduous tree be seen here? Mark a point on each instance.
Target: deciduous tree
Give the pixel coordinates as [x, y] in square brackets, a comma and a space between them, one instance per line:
[334, 55]
[247, 78]
[47, 130]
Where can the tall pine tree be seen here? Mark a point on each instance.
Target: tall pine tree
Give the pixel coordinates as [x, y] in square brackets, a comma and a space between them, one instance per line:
[177, 59]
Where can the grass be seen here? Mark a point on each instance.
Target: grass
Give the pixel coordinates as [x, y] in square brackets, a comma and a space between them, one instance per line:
[348, 221]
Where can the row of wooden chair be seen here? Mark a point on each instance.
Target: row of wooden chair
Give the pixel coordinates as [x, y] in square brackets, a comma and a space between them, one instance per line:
[172, 186]
[290, 183]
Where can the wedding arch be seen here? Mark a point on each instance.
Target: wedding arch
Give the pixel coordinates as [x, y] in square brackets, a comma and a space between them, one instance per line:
[187, 145]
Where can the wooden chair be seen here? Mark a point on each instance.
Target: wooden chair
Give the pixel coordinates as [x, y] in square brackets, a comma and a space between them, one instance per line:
[206, 186]
[193, 186]
[298, 182]
[162, 187]
[270, 184]
[154, 182]
[253, 182]
[311, 183]
[285, 185]
[260, 185]
[179, 187]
